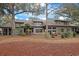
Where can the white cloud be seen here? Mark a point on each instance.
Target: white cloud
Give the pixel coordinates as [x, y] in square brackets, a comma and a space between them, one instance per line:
[61, 18]
[16, 17]
[27, 19]
[43, 18]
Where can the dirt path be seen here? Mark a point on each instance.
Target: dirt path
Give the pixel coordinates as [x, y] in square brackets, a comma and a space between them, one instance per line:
[18, 45]
[38, 49]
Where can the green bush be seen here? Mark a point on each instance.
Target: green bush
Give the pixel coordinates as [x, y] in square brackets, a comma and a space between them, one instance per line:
[22, 34]
[68, 34]
[62, 35]
[65, 35]
[74, 34]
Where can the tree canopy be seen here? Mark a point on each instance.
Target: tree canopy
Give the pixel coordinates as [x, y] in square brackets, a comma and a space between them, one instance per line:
[69, 10]
[17, 8]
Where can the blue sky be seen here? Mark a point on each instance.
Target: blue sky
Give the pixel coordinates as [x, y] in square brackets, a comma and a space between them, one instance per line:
[24, 16]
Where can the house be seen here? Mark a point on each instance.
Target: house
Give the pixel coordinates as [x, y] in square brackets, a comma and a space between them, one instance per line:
[60, 26]
[18, 24]
[5, 29]
[39, 26]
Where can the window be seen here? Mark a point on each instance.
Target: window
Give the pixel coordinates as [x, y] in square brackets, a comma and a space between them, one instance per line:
[68, 29]
[54, 30]
[0, 33]
[38, 30]
[62, 30]
[54, 27]
[65, 23]
[49, 27]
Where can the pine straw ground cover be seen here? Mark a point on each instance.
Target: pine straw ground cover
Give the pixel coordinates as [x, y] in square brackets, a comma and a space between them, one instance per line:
[38, 46]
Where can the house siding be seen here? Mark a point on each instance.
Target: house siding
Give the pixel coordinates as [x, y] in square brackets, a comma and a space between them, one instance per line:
[40, 26]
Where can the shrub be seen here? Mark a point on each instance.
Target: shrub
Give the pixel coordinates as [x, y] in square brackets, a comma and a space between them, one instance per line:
[74, 34]
[65, 35]
[68, 34]
[52, 35]
[62, 35]
[22, 34]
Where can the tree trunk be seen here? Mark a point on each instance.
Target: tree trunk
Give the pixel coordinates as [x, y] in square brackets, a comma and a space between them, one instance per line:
[13, 20]
[46, 21]
[13, 25]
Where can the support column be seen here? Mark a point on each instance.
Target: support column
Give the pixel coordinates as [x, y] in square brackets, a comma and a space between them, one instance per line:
[34, 30]
[74, 29]
[2, 31]
[7, 31]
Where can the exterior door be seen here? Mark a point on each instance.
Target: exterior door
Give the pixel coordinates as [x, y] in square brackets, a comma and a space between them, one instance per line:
[4, 31]
[7, 31]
